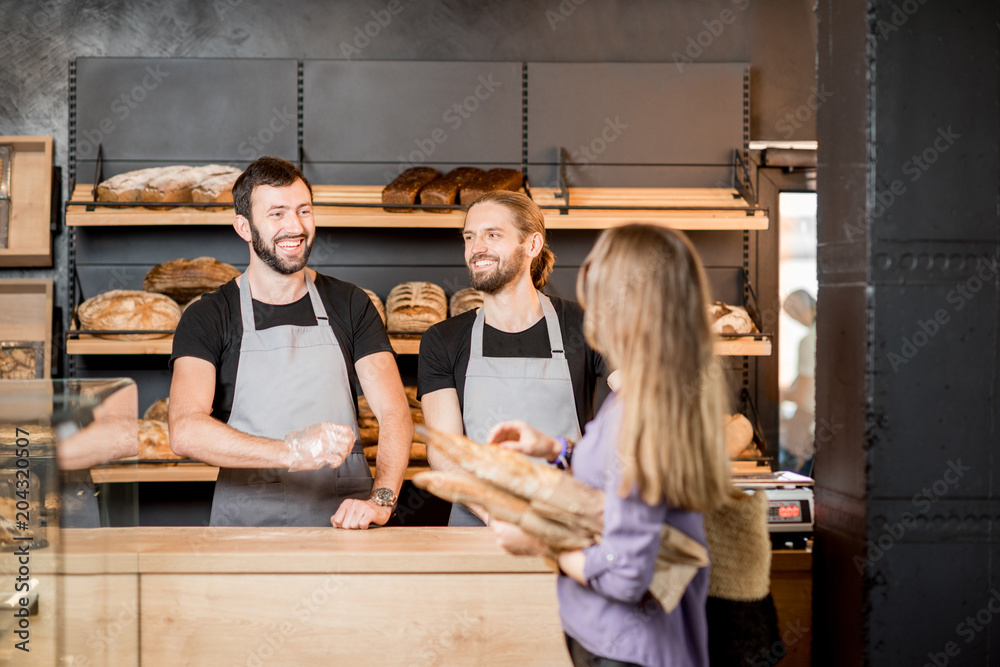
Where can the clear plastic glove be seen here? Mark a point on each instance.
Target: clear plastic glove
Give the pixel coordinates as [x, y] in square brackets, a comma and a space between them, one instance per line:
[521, 437]
[323, 444]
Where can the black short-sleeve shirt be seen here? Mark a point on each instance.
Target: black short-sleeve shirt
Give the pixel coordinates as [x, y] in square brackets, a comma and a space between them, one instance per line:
[212, 329]
[445, 350]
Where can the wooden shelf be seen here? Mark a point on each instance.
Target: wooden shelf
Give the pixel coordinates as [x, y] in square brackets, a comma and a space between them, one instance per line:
[87, 344]
[405, 345]
[29, 238]
[184, 472]
[723, 216]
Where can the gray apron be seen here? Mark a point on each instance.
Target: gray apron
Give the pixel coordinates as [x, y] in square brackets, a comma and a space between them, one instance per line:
[288, 378]
[536, 390]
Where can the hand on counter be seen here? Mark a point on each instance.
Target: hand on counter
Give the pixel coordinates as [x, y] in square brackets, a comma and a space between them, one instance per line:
[322, 444]
[354, 514]
[523, 438]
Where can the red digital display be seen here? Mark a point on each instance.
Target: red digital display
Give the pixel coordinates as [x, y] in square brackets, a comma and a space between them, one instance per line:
[789, 512]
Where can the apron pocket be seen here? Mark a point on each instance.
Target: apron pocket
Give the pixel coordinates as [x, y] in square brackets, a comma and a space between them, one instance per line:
[250, 505]
[354, 487]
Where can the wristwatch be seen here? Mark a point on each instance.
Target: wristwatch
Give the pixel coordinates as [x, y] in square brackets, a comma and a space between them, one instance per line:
[383, 498]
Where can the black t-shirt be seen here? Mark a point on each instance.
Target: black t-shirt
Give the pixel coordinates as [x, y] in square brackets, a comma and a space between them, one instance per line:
[446, 346]
[212, 329]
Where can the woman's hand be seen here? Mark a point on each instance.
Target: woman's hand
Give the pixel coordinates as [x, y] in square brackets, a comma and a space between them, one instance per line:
[521, 437]
[514, 540]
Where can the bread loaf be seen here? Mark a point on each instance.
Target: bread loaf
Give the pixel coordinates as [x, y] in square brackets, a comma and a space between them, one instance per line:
[377, 302]
[443, 190]
[414, 307]
[494, 179]
[368, 424]
[154, 441]
[465, 300]
[738, 433]
[184, 279]
[405, 188]
[158, 410]
[176, 183]
[129, 309]
[128, 187]
[728, 319]
[216, 189]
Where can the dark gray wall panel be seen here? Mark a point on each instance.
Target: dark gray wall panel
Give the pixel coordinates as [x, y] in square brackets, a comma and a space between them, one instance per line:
[409, 113]
[177, 109]
[915, 331]
[599, 175]
[635, 113]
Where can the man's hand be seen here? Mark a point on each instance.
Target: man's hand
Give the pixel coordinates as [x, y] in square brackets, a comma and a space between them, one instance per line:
[354, 514]
[319, 445]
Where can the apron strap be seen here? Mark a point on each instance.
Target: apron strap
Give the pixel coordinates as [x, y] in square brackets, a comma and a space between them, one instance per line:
[246, 303]
[551, 324]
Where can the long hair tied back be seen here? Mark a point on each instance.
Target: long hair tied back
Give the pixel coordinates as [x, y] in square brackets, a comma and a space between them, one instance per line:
[644, 291]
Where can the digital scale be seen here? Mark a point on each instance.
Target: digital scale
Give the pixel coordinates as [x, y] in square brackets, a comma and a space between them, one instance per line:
[791, 507]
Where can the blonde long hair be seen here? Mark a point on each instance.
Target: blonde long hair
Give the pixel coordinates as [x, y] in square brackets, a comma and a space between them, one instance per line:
[645, 293]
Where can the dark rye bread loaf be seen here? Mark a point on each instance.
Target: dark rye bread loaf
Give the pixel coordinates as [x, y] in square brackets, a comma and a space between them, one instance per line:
[494, 179]
[443, 191]
[405, 187]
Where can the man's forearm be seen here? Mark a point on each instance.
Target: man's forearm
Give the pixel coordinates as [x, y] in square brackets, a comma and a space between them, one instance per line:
[210, 441]
[395, 436]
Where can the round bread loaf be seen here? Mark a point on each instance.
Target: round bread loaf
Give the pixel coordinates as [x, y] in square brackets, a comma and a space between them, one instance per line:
[128, 187]
[129, 309]
[377, 303]
[728, 319]
[154, 441]
[184, 279]
[414, 307]
[465, 300]
[158, 410]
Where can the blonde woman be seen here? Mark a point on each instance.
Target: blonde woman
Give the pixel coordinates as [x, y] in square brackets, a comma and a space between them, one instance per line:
[655, 448]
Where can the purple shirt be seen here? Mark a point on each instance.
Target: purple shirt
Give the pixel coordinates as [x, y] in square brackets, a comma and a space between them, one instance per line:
[613, 617]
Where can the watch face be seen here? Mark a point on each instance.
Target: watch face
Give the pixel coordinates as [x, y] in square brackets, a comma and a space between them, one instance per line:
[384, 497]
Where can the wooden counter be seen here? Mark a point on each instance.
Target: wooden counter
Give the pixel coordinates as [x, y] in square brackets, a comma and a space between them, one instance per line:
[300, 596]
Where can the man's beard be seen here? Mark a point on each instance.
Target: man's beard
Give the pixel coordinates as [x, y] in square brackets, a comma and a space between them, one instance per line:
[505, 273]
[269, 254]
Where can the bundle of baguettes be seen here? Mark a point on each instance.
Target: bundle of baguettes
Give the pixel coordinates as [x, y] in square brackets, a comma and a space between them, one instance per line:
[550, 505]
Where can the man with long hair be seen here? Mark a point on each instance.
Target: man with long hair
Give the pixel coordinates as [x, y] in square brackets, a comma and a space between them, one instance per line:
[523, 354]
[264, 372]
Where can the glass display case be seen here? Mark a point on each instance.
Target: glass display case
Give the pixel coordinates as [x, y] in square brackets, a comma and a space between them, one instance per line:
[57, 608]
